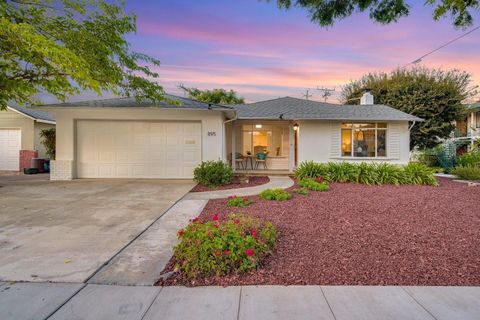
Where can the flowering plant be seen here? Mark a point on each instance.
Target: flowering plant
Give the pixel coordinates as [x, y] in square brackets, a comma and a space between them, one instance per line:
[237, 243]
[240, 202]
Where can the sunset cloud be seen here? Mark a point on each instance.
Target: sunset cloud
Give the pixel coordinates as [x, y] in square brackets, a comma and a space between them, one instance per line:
[263, 52]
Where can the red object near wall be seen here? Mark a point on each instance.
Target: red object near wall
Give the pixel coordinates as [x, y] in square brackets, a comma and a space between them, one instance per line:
[26, 157]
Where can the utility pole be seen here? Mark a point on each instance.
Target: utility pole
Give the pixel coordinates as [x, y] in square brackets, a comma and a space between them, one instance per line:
[307, 94]
[326, 93]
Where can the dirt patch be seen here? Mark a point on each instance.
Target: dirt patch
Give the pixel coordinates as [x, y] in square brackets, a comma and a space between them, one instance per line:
[252, 182]
[366, 235]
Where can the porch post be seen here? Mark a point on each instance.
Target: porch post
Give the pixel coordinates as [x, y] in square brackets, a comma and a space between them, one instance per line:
[234, 145]
[291, 149]
[471, 127]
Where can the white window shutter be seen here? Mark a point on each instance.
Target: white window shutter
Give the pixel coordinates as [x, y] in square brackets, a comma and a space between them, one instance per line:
[393, 143]
[336, 139]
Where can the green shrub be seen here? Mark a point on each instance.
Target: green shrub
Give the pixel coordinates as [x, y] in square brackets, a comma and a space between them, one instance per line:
[311, 184]
[388, 174]
[240, 202]
[429, 157]
[470, 158]
[213, 173]
[275, 194]
[467, 172]
[302, 191]
[238, 243]
[369, 173]
[417, 173]
[342, 172]
[48, 139]
[310, 169]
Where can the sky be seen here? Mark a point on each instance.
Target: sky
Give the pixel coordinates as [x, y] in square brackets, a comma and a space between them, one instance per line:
[263, 52]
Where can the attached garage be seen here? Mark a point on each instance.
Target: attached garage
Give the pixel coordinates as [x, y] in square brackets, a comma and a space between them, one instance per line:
[138, 149]
[10, 146]
[126, 138]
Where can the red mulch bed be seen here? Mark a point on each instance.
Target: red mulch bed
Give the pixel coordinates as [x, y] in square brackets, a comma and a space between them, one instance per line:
[252, 182]
[366, 235]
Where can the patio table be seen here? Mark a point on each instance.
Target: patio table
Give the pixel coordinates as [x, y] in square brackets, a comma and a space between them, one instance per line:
[249, 157]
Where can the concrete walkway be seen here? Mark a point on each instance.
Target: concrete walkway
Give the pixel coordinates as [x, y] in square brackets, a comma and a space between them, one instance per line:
[141, 262]
[275, 182]
[61, 301]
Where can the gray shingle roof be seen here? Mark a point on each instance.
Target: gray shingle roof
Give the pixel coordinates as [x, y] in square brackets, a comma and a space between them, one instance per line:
[473, 106]
[289, 108]
[36, 114]
[132, 102]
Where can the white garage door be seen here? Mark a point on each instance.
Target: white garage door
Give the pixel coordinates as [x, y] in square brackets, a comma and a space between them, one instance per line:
[137, 149]
[10, 144]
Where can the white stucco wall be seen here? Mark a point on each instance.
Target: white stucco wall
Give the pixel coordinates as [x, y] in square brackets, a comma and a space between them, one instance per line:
[320, 141]
[212, 121]
[14, 120]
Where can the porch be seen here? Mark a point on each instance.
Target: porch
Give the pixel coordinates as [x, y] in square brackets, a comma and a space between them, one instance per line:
[262, 147]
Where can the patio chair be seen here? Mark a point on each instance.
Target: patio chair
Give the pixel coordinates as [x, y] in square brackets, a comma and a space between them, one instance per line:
[261, 158]
[240, 161]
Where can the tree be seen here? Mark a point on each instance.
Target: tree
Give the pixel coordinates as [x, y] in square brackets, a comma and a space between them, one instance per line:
[325, 12]
[61, 47]
[48, 141]
[216, 96]
[431, 94]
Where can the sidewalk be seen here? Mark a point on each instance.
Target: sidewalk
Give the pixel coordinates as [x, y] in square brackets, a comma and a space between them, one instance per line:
[275, 182]
[98, 302]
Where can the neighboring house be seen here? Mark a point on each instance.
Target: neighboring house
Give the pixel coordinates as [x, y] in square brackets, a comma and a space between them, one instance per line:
[20, 136]
[121, 138]
[473, 120]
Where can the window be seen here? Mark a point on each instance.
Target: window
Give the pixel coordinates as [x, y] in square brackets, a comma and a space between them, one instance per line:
[477, 119]
[364, 140]
[262, 138]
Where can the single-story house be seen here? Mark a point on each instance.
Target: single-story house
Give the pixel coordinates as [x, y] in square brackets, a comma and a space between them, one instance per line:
[20, 136]
[123, 138]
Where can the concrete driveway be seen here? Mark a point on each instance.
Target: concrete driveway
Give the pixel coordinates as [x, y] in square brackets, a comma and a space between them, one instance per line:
[65, 231]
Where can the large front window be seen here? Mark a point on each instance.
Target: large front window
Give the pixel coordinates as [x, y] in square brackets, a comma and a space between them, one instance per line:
[259, 138]
[364, 140]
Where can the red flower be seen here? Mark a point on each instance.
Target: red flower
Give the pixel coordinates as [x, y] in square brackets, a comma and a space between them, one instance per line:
[217, 253]
[195, 219]
[180, 233]
[254, 233]
[210, 234]
[226, 253]
[215, 225]
[319, 179]
[236, 221]
[198, 242]
[215, 217]
[249, 252]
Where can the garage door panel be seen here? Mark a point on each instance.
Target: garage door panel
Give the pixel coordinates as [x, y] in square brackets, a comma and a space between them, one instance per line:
[10, 145]
[125, 149]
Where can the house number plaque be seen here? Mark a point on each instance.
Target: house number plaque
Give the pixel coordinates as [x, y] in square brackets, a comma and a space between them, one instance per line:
[212, 133]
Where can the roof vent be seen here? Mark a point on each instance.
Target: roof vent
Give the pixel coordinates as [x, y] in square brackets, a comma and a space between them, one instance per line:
[367, 98]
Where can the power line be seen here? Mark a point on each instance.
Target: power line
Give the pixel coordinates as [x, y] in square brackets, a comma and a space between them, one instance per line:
[441, 47]
[307, 94]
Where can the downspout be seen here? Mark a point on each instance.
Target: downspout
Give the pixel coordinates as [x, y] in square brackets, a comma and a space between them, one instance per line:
[410, 128]
[223, 137]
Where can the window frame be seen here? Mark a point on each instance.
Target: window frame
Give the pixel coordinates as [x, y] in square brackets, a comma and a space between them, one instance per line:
[477, 119]
[351, 127]
[252, 129]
